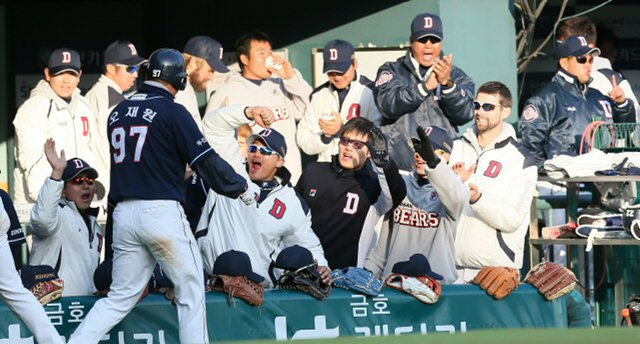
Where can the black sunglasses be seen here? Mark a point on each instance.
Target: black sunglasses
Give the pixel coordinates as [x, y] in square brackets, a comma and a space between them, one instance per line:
[486, 106]
[432, 39]
[130, 69]
[80, 180]
[584, 59]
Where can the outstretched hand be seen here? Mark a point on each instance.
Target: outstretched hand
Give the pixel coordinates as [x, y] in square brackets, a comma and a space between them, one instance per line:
[378, 149]
[58, 163]
[263, 116]
[423, 147]
[617, 94]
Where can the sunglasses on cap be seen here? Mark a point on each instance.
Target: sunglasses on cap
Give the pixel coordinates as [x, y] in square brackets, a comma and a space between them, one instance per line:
[80, 180]
[486, 106]
[130, 69]
[263, 150]
[357, 144]
[584, 59]
[432, 39]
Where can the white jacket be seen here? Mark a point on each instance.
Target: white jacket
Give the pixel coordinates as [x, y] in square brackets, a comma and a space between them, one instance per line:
[491, 232]
[61, 238]
[287, 98]
[103, 97]
[189, 99]
[281, 219]
[359, 102]
[42, 116]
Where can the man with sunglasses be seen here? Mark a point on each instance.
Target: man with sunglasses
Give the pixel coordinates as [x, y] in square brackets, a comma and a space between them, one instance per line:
[203, 57]
[553, 120]
[501, 177]
[280, 218]
[348, 195]
[121, 66]
[422, 88]
[345, 96]
[56, 109]
[66, 235]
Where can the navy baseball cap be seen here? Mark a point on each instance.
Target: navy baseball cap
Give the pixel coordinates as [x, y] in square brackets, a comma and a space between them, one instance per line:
[159, 279]
[294, 257]
[272, 139]
[75, 166]
[235, 263]
[426, 24]
[417, 265]
[338, 56]
[64, 60]
[102, 276]
[122, 52]
[34, 274]
[576, 46]
[439, 137]
[209, 49]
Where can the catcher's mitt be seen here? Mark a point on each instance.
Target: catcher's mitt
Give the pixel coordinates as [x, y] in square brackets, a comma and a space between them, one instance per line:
[48, 291]
[356, 279]
[423, 288]
[498, 281]
[306, 279]
[239, 286]
[552, 280]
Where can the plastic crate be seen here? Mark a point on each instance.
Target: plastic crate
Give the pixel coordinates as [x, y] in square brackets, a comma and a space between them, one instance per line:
[617, 137]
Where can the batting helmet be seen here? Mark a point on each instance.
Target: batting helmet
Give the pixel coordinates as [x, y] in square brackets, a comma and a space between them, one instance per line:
[168, 65]
[631, 218]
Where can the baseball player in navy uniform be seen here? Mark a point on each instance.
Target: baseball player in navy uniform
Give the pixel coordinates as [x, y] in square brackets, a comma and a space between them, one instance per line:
[16, 233]
[19, 299]
[152, 139]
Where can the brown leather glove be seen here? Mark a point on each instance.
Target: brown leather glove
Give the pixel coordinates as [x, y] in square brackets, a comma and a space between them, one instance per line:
[498, 281]
[552, 280]
[239, 286]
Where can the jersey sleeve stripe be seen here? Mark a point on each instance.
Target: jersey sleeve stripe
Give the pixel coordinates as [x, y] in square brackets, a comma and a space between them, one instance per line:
[199, 156]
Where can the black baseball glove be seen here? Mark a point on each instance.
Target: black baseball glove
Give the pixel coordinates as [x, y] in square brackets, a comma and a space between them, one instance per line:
[423, 147]
[377, 144]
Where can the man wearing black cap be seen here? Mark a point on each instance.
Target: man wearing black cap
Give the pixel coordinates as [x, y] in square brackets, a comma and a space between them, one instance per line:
[66, 235]
[54, 109]
[426, 220]
[121, 66]
[422, 88]
[281, 217]
[203, 57]
[553, 120]
[345, 96]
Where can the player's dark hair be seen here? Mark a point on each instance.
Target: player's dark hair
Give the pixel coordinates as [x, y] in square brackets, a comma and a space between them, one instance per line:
[243, 43]
[581, 26]
[496, 87]
[359, 126]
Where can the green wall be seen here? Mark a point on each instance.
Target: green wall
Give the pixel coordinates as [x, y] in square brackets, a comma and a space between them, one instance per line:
[481, 37]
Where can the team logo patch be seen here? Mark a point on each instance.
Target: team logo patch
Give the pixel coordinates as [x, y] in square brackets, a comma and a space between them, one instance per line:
[462, 92]
[571, 108]
[529, 113]
[312, 192]
[384, 78]
[433, 196]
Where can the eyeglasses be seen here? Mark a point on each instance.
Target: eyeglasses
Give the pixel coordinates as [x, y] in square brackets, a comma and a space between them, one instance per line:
[263, 150]
[357, 144]
[584, 59]
[486, 106]
[130, 69]
[80, 180]
[432, 39]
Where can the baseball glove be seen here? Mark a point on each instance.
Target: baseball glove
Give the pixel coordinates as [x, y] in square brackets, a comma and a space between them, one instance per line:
[423, 288]
[552, 280]
[356, 279]
[48, 291]
[306, 279]
[239, 286]
[498, 281]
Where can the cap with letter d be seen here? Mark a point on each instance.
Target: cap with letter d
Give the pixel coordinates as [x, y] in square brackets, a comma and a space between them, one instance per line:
[272, 139]
[338, 56]
[209, 49]
[576, 46]
[122, 52]
[426, 24]
[64, 60]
